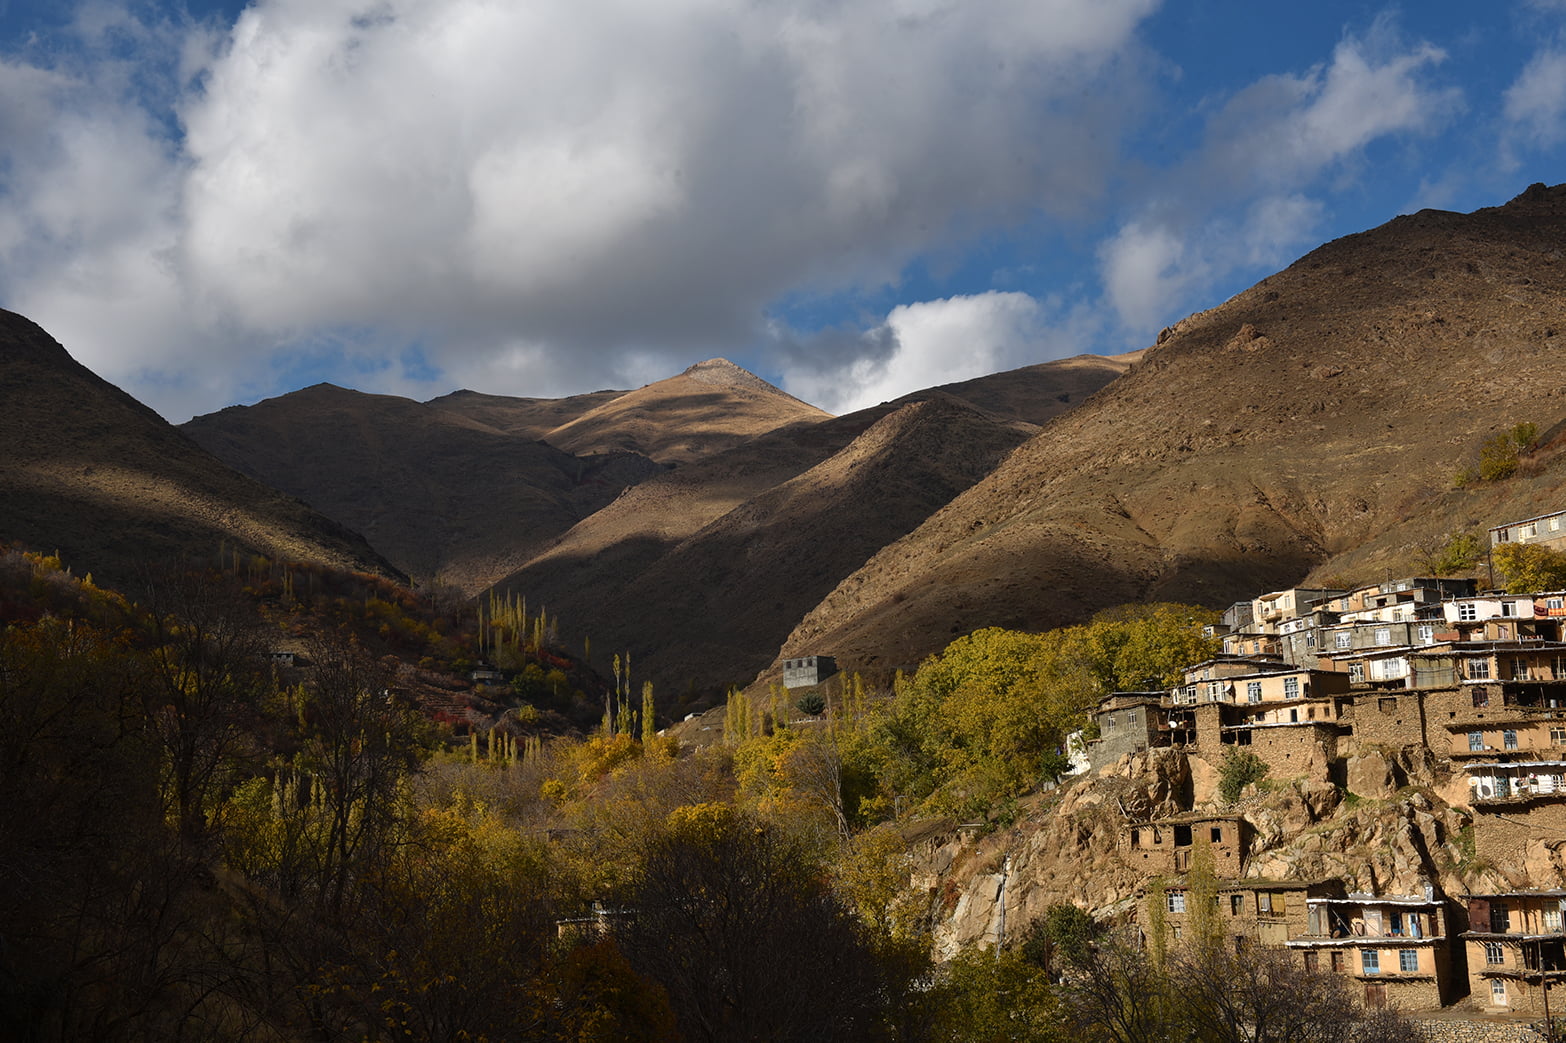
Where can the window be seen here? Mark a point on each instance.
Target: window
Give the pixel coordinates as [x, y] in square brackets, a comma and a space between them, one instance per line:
[1557, 735]
[1498, 992]
[1500, 918]
[1478, 669]
[1253, 691]
[1427, 635]
[1263, 902]
[1527, 532]
[1291, 687]
[1509, 738]
[1356, 673]
[1520, 670]
[1383, 636]
[1310, 639]
[1234, 904]
[1552, 920]
[1475, 742]
[1131, 717]
[1555, 604]
[1467, 611]
[1481, 697]
[1215, 834]
[1311, 962]
[1342, 640]
[1369, 961]
[1109, 723]
[1337, 960]
[1175, 900]
[1494, 955]
[1508, 609]
[1408, 961]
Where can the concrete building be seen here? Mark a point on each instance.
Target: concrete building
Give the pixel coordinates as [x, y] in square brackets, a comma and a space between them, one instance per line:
[807, 670]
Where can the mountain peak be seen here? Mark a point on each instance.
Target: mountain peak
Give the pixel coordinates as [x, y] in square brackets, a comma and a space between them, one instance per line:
[722, 372]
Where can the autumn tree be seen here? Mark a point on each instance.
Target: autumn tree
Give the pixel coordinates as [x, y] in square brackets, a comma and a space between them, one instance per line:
[731, 917]
[1530, 568]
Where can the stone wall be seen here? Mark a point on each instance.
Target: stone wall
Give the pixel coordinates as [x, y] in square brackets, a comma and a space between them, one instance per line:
[1478, 1032]
[1391, 718]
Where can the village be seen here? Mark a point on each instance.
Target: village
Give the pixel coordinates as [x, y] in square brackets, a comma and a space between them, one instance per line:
[1309, 678]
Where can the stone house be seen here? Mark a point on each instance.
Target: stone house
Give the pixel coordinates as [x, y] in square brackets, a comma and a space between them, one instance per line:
[1395, 946]
[1166, 846]
[1514, 949]
[1128, 722]
[1244, 912]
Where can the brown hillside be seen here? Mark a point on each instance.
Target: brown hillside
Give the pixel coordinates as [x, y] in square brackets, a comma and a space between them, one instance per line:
[443, 494]
[710, 407]
[91, 472]
[1040, 392]
[700, 573]
[1312, 422]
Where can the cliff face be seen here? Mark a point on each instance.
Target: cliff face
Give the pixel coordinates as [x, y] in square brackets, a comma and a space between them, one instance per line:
[1396, 828]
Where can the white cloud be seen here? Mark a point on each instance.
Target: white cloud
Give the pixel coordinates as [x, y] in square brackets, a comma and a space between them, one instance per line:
[606, 178]
[937, 342]
[1240, 201]
[1535, 109]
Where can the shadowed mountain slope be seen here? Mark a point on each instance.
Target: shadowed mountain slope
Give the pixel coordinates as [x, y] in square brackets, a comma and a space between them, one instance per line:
[701, 572]
[531, 418]
[443, 494]
[1314, 421]
[88, 470]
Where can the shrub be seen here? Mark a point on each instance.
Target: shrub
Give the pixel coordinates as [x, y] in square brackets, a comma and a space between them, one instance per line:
[1239, 769]
[811, 704]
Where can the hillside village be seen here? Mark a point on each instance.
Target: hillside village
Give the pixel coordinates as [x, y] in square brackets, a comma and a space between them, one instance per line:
[1308, 682]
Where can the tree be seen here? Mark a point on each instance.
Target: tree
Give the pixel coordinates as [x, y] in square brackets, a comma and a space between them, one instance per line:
[1530, 568]
[732, 918]
[210, 677]
[1239, 769]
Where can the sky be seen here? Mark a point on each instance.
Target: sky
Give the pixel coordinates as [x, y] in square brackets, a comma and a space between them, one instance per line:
[215, 202]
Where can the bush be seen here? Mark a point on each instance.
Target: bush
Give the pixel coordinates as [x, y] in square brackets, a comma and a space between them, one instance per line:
[1239, 769]
[811, 704]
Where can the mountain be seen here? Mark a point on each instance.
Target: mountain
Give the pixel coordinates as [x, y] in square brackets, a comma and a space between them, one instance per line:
[701, 572]
[466, 488]
[712, 406]
[438, 490]
[93, 473]
[1311, 425]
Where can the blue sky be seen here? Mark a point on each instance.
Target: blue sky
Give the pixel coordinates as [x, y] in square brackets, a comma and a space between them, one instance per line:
[217, 202]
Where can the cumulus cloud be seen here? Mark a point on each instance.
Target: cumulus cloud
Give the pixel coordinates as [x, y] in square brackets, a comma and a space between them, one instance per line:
[1535, 104]
[527, 191]
[937, 342]
[1241, 199]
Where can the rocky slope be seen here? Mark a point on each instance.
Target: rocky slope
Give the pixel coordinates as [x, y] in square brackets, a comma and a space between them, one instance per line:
[91, 472]
[1312, 422]
[1403, 830]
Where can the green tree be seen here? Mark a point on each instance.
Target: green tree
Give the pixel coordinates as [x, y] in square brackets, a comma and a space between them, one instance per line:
[1239, 769]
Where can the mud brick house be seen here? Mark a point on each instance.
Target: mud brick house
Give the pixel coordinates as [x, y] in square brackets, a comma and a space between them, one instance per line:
[1514, 949]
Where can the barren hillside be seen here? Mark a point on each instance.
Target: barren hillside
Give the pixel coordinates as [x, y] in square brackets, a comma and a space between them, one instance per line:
[1312, 422]
[91, 472]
